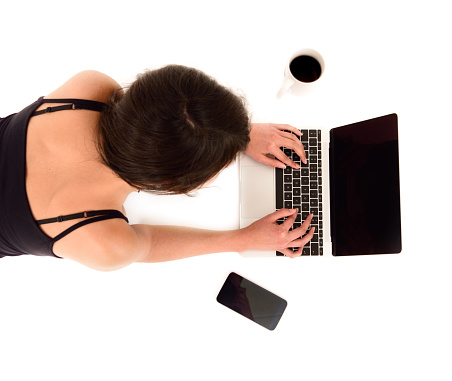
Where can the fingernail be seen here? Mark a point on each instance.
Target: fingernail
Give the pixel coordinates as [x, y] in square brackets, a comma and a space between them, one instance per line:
[282, 166]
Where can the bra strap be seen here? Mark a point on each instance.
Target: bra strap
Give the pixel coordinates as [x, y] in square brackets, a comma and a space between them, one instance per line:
[74, 104]
[106, 216]
[76, 216]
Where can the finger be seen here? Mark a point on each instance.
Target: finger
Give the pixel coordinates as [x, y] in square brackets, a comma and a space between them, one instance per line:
[295, 145]
[289, 253]
[298, 232]
[288, 127]
[291, 142]
[281, 156]
[290, 221]
[265, 159]
[305, 225]
[282, 213]
[303, 241]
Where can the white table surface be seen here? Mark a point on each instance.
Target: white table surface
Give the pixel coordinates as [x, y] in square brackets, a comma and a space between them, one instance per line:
[360, 318]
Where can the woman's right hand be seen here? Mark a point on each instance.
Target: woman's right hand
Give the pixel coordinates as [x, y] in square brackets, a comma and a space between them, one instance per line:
[267, 235]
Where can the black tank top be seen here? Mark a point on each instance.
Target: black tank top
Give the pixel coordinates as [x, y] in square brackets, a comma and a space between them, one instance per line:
[19, 232]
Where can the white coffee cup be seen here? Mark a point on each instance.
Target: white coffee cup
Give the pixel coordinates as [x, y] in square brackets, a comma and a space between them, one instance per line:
[304, 69]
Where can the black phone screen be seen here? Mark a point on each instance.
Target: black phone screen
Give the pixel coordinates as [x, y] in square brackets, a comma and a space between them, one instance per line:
[252, 301]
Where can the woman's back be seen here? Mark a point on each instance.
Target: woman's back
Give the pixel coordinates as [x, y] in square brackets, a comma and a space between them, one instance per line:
[59, 172]
[65, 173]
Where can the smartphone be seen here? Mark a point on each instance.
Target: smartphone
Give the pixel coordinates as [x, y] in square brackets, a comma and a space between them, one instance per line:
[252, 301]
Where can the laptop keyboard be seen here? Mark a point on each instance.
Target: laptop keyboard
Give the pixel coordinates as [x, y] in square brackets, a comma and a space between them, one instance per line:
[302, 189]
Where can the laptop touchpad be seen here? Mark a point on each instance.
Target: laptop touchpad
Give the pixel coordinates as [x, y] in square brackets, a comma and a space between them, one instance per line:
[257, 191]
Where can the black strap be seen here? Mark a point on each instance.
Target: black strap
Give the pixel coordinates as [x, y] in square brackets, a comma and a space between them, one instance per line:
[113, 214]
[75, 216]
[74, 104]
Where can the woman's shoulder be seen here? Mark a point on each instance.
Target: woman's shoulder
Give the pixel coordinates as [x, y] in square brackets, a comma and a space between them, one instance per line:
[104, 245]
[88, 84]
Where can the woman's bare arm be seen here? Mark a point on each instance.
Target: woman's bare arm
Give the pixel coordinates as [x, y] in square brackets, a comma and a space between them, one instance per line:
[167, 243]
[111, 245]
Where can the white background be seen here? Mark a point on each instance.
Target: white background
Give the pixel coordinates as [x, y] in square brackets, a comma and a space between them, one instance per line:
[361, 318]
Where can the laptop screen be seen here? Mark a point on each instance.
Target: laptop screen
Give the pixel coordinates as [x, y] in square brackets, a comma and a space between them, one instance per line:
[365, 193]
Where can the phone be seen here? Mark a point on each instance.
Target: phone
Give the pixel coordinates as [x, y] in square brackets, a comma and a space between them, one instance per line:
[252, 301]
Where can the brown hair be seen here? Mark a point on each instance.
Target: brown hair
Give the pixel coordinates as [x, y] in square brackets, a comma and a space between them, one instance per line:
[173, 130]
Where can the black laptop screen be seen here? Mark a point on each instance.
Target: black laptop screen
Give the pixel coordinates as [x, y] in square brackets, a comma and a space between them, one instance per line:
[365, 195]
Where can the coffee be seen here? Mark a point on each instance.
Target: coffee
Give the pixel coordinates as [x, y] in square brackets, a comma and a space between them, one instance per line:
[305, 68]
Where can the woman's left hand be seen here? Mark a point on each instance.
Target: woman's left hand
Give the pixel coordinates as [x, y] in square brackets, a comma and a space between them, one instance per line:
[267, 139]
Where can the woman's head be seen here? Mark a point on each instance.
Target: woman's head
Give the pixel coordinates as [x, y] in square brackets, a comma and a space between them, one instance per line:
[173, 130]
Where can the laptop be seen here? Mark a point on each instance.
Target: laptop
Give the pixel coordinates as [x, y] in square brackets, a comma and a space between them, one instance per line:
[350, 184]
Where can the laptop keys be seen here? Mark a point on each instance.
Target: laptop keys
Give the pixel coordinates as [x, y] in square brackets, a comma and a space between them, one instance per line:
[302, 189]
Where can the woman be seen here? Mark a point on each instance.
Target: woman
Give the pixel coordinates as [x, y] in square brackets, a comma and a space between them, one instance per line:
[87, 145]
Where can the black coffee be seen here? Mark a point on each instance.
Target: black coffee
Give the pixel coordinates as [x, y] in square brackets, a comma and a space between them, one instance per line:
[305, 68]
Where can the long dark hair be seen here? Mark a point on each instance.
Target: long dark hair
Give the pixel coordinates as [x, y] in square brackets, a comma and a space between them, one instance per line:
[174, 129]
